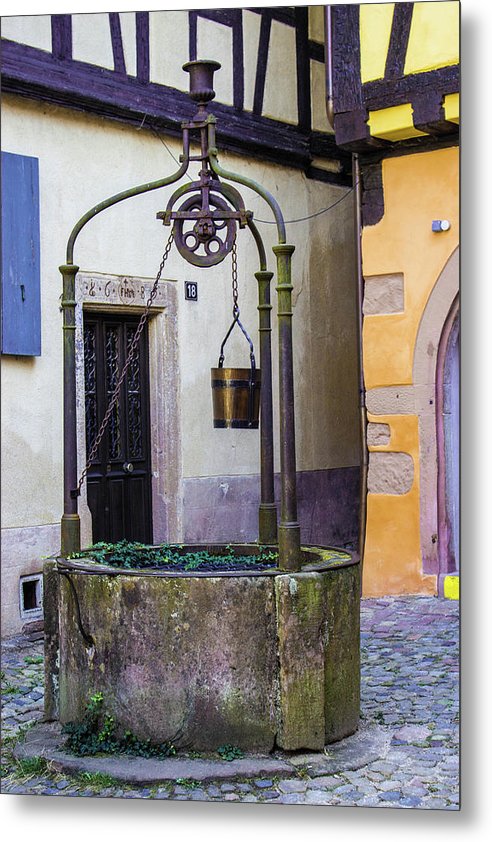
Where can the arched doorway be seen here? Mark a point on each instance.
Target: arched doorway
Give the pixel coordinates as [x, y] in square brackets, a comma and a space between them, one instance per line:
[448, 444]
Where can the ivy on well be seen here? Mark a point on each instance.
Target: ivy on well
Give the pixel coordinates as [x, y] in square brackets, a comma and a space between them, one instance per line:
[97, 734]
[135, 556]
[230, 753]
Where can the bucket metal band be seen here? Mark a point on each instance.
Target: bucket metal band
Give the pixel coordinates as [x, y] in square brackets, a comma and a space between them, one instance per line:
[235, 424]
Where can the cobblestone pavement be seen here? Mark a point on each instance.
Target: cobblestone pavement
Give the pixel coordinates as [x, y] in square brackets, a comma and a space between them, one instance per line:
[409, 648]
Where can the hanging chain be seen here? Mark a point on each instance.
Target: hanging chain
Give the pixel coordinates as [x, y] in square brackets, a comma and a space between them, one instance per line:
[130, 355]
[235, 313]
[235, 309]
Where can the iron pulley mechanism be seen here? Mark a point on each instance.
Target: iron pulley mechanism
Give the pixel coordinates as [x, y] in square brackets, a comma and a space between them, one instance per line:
[205, 224]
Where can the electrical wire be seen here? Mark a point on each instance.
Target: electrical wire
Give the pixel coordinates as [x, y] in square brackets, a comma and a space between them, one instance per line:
[256, 219]
[312, 215]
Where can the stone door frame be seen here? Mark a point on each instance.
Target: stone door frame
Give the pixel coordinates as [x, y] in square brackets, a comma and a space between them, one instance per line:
[442, 302]
[450, 336]
[95, 291]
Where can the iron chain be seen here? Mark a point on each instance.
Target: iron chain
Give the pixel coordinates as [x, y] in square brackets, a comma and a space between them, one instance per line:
[130, 355]
[235, 294]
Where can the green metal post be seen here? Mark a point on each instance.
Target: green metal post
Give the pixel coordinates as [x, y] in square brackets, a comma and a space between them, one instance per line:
[70, 522]
[289, 534]
[268, 509]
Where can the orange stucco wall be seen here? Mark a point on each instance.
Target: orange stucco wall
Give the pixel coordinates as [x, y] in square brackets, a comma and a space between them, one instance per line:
[417, 190]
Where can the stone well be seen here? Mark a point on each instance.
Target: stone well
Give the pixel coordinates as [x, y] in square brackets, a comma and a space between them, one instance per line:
[257, 660]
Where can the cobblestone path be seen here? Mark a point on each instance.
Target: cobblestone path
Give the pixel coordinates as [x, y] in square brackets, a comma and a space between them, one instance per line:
[409, 648]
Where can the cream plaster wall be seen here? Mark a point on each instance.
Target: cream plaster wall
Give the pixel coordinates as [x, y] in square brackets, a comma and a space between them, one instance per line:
[34, 31]
[251, 38]
[92, 40]
[169, 48]
[280, 100]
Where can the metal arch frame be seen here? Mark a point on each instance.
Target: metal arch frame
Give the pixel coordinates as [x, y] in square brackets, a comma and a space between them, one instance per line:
[289, 529]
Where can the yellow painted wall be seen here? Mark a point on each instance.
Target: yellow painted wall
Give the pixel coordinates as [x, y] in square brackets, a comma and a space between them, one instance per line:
[375, 31]
[392, 558]
[417, 189]
[451, 106]
[434, 36]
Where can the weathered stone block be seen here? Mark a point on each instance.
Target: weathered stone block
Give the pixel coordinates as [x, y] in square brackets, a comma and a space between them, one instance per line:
[378, 434]
[188, 656]
[342, 653]
[390, 473]
[301, 621]
[51, 640]
[383, 294]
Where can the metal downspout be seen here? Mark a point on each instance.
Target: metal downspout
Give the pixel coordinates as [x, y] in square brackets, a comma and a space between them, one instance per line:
[329, 68]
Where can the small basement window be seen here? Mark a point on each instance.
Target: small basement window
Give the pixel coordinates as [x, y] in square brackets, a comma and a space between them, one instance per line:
[31, 596]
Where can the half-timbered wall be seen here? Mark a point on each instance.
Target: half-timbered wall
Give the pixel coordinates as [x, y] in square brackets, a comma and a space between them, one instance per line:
[395, 73]
[270, 91]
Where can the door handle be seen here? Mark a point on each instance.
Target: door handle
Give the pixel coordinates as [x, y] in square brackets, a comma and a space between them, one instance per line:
[128, 467]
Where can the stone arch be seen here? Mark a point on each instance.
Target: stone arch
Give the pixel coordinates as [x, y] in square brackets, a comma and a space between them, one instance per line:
[442, 302]
[447, 431]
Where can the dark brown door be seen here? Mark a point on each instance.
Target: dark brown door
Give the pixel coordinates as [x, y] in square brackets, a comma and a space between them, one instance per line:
[118, 483]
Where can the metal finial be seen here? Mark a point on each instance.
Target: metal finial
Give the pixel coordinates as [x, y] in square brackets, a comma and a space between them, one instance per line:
[201, 81]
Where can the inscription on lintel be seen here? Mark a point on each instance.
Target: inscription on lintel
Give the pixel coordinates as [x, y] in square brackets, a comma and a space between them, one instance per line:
[120, 290]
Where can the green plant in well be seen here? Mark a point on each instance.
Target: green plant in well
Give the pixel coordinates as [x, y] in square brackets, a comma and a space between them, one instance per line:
[228, 752]
[135, 556]
[97, 733]
[33, 659]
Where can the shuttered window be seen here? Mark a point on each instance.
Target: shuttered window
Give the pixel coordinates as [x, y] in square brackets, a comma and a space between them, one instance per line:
[21, 304]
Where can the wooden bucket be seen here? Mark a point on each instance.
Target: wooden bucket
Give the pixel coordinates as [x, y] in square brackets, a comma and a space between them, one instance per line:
[236, 397]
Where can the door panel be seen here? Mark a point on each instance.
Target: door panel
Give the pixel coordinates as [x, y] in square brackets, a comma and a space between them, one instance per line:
[119, 481]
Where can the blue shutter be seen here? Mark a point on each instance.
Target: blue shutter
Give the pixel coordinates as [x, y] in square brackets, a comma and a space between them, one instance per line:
[21, 304]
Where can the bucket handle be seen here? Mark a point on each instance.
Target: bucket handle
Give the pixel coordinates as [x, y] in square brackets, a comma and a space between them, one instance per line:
[252, 376]
[236, 321]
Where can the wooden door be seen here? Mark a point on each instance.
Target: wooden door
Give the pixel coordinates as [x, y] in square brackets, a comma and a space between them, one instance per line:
[119, 481]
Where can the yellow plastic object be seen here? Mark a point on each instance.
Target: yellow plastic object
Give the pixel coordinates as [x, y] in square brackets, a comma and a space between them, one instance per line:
[452, 587]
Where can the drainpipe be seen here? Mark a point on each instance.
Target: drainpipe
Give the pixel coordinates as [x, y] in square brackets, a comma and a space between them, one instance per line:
[364, 461]
[329, 68]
